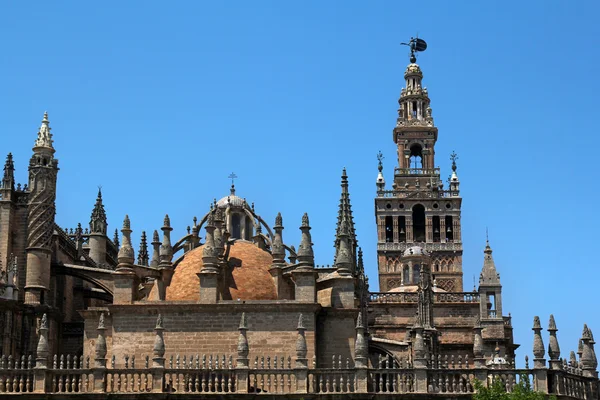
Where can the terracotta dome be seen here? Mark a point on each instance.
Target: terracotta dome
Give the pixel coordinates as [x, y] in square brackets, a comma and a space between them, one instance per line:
[249, 278]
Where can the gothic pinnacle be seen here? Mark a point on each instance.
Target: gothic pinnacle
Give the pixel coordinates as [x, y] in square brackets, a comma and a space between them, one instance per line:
[126, 253]
[116, 238]
[8, 180]
[345, 212]
[155, 250]
[143, 253]
[553, 348]
[278, 250]
[44, 137]
[538, 344]
[343, 258]
[305, 251]
[166, 251]
[98, 222]
[489, 274]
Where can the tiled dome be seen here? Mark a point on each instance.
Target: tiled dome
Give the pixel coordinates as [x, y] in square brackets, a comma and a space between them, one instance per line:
[249, 278]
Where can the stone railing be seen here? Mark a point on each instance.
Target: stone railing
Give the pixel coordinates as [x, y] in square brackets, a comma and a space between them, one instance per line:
[401, 246]
[220, 375]
[73, 376]
[424, 193]
[416, 171]
[412, 297]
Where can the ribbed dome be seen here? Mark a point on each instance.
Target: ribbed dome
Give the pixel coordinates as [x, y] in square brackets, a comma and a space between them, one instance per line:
[249, 277]
[234, 200]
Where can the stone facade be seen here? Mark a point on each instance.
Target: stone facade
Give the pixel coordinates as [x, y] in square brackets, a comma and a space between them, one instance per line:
[232, 309]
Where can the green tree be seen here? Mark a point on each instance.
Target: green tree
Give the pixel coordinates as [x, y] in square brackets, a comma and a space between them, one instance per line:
[497, 391]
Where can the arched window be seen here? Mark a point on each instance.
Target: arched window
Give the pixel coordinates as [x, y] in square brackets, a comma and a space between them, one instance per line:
[416, 274]
[449, 228]
[418, 223]
[236, 229]
[416, 156]
[389, 229]
[248, 229]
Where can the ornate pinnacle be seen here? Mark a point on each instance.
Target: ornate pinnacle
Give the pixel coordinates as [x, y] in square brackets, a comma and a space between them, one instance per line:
[44, 138]
[553, 348]
[155, 250]
[143, 253]
[42, 348]
[159, 343]
[98, 219]
[278, 221]
[100, 360]
[278, 250]
[453, 158]
[538, 344]
[116, 238]
[126, 253]
[343, 259]
[8, 181]
[360, 345]
[242, 348]
[305, 250]
[380, 158]
[166, 250]
[301, 348]
[360, 266]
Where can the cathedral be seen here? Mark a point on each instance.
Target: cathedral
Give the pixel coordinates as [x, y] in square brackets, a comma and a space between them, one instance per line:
[233, 309]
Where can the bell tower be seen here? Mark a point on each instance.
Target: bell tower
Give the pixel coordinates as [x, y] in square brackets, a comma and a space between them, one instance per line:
[418, 210]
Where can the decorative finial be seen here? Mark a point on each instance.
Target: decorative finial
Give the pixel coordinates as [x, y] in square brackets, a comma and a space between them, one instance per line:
[278, 220]
[305, 220]
[380, 158]
[44, 138]
[416, 45]
[159, 322]
[453, 158]
[233, 177]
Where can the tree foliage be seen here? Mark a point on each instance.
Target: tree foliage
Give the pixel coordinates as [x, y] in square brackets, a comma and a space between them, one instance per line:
[521, 390]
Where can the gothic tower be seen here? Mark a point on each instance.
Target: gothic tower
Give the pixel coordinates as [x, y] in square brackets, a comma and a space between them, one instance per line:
[43, 170]
[418, 210]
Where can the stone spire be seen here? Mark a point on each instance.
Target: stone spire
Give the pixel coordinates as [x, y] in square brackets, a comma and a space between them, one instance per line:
[553, 348]
[166, 250]
[306, 256]
[538, 344]
[8, 180]
[588, 357]
[489, 276]
[126, 253]
[98, 222]
[301, 347]
[100, 359]
[143, 253]
[116, 238]
[361, 350]
[278, 250]
[155, 250]
[478, 345]
[343, 257]
[242, 348]
[345, 213]
[44, 138]
[43, 349]
[209, 256]
[158, 360]
[592, 343]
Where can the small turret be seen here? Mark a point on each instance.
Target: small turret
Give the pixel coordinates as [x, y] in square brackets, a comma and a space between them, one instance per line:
[126, 252]
[553, 347]
[166, 250]
[143, 253]
[8, 180]
[98, 222]
[278, 250]
[155, 250]
[306, 256]
[490, 289]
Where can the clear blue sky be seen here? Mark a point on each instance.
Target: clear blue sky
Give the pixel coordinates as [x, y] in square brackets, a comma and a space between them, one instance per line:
[159, 103]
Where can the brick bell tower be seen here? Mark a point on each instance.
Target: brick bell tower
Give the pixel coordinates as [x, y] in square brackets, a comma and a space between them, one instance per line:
[419, 210]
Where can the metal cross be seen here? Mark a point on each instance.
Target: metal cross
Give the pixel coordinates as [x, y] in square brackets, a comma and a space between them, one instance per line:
[232, 176]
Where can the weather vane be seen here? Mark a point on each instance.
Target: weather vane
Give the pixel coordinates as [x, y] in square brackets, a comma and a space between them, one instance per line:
[415, 45]
[232, 176]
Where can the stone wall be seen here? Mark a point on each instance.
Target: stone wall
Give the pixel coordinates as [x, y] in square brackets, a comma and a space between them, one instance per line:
[192, 328]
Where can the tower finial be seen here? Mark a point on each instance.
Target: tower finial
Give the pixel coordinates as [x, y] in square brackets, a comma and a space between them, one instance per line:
[44, 138]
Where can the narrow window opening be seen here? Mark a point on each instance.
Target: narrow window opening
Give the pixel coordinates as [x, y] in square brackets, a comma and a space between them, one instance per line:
[248, 231]
[389, 229]
[416, 274]
[402, 229]
[436, 228]
[236, 231]
[419, 223]
[405, 276]
[416, 156]
[491, 304]
[449, 228]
